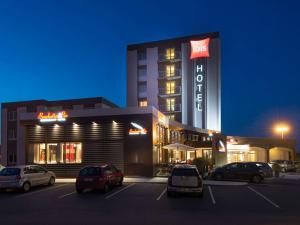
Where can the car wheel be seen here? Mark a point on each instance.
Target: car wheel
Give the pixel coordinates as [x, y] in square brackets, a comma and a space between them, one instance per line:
[120, 182]
[170, 193]
[218, 177]
[256, 179]
[51, 181]
[106, 188]
[26, 187]
[200, 195]
[79, 191]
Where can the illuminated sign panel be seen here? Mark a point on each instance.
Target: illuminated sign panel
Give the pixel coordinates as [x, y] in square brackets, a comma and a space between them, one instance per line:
[199, 92]
[199, 54]
[52, 116]
[200, 49]
[137, 129]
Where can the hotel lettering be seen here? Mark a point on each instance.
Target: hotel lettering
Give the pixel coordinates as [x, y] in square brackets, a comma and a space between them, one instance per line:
[199, 86]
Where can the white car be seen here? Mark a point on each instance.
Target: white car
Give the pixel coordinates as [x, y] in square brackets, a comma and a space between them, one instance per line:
[185, 179]
[25, 177]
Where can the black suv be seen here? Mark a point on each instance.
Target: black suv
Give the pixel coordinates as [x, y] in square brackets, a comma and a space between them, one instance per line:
[253, 171]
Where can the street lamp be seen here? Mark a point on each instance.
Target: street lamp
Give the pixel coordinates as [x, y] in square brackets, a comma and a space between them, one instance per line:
[282, 128]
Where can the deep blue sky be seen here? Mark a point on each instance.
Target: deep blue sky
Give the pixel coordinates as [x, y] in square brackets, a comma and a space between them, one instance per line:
[73, 49]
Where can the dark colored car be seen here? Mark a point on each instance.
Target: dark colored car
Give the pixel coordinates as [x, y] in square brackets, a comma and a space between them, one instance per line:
[252, 171]
[98, 178]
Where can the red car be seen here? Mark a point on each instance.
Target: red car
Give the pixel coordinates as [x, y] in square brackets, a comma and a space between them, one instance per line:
[98, 177]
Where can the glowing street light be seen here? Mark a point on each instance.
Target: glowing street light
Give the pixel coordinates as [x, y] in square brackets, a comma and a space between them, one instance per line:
[282, 128]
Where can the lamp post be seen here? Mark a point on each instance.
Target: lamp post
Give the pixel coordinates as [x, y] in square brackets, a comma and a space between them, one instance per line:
[282, 128]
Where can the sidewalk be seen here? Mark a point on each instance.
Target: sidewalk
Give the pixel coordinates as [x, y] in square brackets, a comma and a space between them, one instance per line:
[160, 180]
[290, 176]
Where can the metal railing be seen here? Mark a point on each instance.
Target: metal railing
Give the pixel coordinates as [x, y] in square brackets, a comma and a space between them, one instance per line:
[163, 74]
[170, 108]
[170, 91]
[165, 57]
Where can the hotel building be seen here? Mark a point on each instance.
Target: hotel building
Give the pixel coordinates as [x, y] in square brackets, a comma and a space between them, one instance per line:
[173, 97]
[180, 77]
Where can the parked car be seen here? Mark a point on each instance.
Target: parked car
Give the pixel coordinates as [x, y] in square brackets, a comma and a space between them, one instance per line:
[254, 171]
[286, 165]
[185, 179]
[99, 177]
[25, 177]
[297, 165]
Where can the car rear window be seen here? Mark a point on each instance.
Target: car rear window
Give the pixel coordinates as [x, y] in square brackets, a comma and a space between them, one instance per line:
[184, 172]
[10, 172]
[90, 171]
[263, 165]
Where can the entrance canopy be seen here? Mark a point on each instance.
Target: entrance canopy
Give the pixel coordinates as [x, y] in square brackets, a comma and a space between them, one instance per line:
[178, 146]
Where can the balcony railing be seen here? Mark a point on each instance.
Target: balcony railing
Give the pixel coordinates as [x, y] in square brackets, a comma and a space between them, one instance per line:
[170, 108]
[163, 74]
[162, 57]
[169, 92]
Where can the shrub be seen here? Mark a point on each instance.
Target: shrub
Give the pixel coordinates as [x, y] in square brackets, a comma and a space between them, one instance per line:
[201, 164]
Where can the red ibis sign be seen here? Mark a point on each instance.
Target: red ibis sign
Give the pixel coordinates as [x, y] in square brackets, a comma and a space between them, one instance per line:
[200, 49]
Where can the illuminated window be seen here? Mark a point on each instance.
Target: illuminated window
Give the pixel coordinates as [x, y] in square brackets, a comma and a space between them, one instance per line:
[143, 103]
[72, 152]
[170, 87]
[51, 153]
[170, 70]
[171, 117]
[170, 53]
[170, 102]
[54, 153]
[39, 153]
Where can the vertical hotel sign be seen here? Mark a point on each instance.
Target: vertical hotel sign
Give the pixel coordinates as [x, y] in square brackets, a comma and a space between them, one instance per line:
[199, 53]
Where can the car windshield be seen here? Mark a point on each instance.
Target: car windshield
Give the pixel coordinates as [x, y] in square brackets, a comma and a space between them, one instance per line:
[10, 172]
[90, 171]
[184, 172]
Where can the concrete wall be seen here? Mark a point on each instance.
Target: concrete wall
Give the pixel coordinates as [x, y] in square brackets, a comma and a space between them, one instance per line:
[132, 78]
[213, 116]
[152, 75]
[4, 137]
[21, 156]
[279, 153]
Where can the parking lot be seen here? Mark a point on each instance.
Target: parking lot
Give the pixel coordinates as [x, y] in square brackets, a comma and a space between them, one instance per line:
[146, 203]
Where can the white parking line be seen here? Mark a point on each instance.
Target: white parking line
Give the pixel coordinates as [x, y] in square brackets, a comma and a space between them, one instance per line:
[161, 194]
[264, 197]
[211, 195]
[62, 196]
[36, 192]
[123, 189]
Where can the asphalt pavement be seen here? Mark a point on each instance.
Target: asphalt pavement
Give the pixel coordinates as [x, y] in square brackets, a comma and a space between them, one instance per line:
[274, 202]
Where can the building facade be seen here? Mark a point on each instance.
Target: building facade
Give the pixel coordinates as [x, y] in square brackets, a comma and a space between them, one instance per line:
[180, 77]
[240, 149]
[64, 136]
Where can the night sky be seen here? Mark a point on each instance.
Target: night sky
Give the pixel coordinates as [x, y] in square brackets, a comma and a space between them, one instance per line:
[74, 49]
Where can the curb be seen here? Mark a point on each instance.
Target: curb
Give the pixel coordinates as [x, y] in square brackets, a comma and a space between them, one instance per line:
[162, 181]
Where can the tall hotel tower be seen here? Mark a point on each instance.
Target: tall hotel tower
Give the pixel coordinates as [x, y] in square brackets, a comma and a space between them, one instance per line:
[180, 77]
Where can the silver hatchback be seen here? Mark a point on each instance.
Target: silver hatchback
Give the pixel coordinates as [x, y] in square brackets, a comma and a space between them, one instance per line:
[25, 177]
[185, 179]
